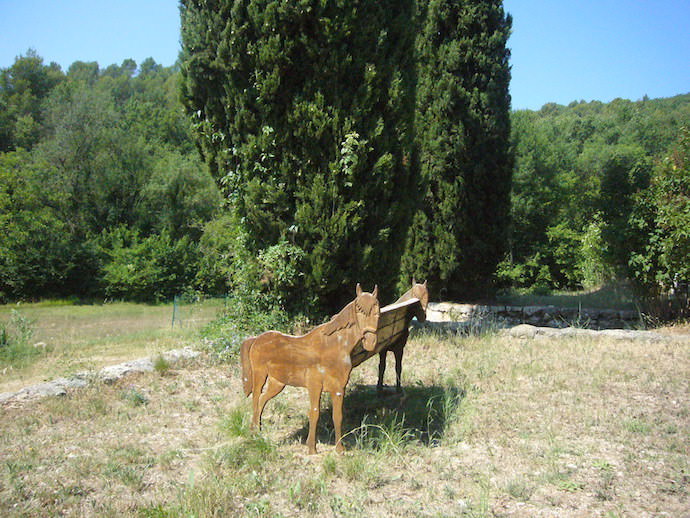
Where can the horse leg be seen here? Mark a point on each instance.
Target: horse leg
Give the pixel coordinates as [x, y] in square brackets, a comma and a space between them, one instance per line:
[315, 403]
[337, 398]
[398, 352]
[382, 369]
[273, 388]
[259, 379]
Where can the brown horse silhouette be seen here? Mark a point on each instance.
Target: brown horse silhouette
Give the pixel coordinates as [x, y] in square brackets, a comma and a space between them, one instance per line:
[418, 291]
[319, 360]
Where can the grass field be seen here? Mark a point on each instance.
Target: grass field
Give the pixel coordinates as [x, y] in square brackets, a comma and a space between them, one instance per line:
[65, 338]
[487, 426]
[614, 296]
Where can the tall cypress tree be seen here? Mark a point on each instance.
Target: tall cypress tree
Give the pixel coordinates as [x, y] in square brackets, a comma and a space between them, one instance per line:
[305, 110]
[324, 120]
[462, 130]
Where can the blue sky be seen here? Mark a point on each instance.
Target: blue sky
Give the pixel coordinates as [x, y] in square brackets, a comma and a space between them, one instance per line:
[562, 51]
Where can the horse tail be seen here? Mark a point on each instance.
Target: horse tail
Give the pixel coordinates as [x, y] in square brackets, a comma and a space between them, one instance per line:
[247, 364]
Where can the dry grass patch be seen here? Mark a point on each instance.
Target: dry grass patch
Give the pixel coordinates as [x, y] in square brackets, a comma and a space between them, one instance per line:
[69, 339]
[488, 426]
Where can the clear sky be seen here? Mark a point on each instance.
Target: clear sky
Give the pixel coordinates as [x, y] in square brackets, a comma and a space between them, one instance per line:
[562, 50]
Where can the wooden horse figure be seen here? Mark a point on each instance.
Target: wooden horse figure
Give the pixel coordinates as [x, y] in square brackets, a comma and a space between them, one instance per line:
[420, 292]
[319, 360]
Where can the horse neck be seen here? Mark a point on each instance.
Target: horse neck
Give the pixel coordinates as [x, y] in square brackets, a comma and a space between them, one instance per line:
[351, 337]
[351, 334]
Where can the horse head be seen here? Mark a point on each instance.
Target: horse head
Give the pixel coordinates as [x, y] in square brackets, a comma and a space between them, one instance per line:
[421, 292]
[367, 313]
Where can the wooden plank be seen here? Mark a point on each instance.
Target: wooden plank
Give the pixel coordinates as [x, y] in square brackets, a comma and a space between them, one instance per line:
[393, 322]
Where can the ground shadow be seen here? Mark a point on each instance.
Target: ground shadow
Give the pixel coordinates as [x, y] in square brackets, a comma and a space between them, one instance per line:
[421, 413]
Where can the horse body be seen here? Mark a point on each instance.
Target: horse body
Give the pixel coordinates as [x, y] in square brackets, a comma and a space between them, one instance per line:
[418, 291]
[318, 361]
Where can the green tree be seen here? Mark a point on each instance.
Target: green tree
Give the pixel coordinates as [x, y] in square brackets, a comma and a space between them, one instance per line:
[37, 254]
[304, 114]
[150, 269]
[98, 167]
[660, 266]
[625, 173]
[463, 134]
[23, 88]
[179, 197]
[585, 167]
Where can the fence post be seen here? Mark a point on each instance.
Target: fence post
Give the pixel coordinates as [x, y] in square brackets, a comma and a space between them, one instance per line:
[175, 312]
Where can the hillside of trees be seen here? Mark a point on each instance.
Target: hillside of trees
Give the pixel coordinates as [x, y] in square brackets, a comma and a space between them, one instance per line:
[594, 187]
[103, 193]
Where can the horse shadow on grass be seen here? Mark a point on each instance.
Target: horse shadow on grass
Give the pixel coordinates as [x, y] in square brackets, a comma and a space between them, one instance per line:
[420, 414]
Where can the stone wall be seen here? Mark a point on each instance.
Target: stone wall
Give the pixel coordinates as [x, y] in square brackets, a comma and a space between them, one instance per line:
[546, 316]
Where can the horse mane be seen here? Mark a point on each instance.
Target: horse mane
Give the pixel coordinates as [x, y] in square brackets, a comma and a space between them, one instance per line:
[342, 320]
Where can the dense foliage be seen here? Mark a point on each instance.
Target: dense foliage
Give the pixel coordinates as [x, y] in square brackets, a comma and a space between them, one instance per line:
[586, 206]
[303, 112]
[102, 193]
[306, 114]
[462, 132]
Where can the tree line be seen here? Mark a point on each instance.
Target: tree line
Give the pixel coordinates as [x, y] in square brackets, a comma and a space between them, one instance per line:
[299, 148]
[601, 193]
[102, 193]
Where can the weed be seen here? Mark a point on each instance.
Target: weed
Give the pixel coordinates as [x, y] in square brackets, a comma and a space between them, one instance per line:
[604, 489]
[167, 459]
[250, 453]
[306, 495]
[129, 475]
[349, 506]
[330, 465]
[569, 485]
[129, 466]
[214, 497]
[261, 507]
[388, 438]
[161, 365]
[15, 341]
[361, 467]
[637, 425]
[443, 411]
[154, 511]
[482, 508]
[236, 424]
[520, 489]
[134, 396]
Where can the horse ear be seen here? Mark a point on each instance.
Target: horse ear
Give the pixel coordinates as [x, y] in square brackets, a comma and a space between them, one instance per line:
[359, 289]
[375, 293]
[414, 281]
[425, 283]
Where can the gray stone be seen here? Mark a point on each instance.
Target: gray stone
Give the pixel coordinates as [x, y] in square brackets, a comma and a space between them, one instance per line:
[523, 331]
[110, 374]
[115, 372]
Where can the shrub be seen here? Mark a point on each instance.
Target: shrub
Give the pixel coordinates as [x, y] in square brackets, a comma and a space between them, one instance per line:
[149, 269]
[15, 340]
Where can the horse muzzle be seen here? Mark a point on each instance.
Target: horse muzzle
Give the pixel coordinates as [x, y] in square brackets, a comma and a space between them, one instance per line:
[369, 338]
